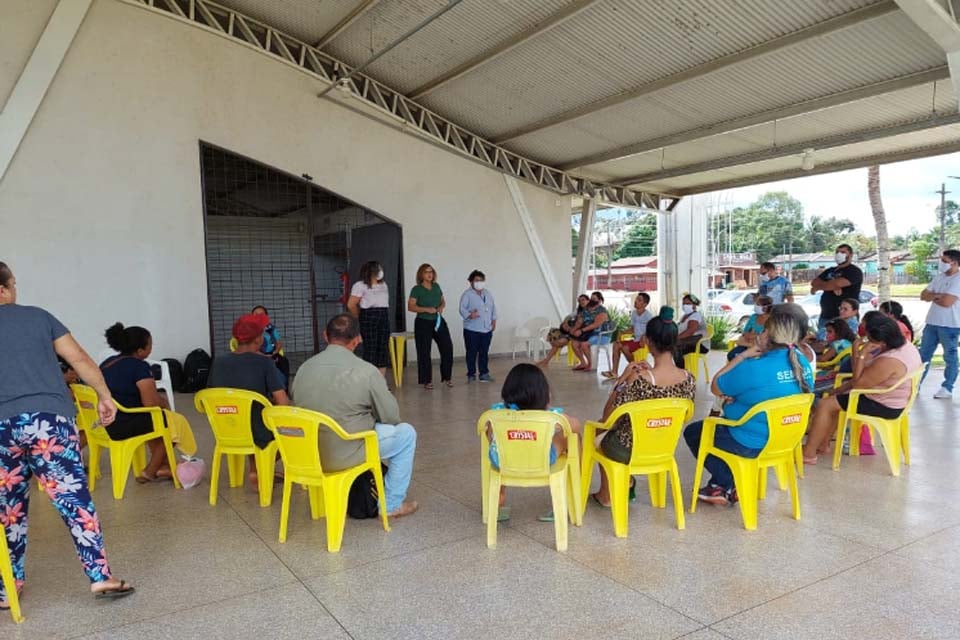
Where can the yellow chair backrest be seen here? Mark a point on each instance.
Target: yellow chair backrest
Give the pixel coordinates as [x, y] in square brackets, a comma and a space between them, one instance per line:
[913, 378]
[836, 360]
[296, 432]
[88, 418]
[229, 413]
[656, 427]
[523, 440]
[786, 422]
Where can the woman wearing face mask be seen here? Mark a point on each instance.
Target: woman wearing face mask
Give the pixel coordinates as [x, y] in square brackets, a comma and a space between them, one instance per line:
[370, 303]
[588, 332]
[562, 335]
[754, 326]
[692, 327]
[479, 313]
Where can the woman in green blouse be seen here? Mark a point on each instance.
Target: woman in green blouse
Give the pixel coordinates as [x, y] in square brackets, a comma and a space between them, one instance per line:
[426, 300]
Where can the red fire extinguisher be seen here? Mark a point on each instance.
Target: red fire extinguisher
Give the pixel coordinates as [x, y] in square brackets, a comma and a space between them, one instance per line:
[344, 286]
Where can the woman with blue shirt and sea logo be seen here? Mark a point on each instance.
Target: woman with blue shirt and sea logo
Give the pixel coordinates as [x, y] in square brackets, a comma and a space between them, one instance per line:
[772, 368]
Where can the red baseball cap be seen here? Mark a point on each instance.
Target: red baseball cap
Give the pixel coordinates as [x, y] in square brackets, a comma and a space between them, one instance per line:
[249, 326]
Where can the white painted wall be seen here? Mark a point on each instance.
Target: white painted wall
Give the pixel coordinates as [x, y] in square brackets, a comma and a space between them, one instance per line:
[101, 214]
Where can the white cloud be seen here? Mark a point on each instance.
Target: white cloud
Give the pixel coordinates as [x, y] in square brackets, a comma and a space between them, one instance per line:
[907, 189]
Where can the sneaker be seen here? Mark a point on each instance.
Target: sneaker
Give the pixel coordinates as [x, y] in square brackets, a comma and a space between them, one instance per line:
[486, 378]
[943, 393]
[471, 379]
[714, 494]
[732, 497]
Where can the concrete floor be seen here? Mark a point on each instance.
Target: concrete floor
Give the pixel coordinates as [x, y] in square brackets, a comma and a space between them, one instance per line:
[874, 556]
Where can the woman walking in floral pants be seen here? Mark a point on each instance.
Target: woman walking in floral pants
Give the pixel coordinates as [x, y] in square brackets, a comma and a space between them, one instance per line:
[38, 436]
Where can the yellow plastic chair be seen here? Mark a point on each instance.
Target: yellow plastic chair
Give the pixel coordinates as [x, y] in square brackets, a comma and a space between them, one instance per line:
[229, 412]
[9, 583]
[787, 422]
[835, 361]
[124, 454]
[692, 361]
[296, 432]
[656, 430]
[894, 433]
[641, 354]
[396, 346]
[523, 444]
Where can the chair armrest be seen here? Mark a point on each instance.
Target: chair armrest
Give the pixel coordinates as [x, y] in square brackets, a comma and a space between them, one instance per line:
[625, 337]
[590, 429]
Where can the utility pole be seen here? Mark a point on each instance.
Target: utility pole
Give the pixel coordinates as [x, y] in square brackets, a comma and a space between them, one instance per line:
[943, 214]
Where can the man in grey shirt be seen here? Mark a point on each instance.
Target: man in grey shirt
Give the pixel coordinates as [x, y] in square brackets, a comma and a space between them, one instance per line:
[354, 393]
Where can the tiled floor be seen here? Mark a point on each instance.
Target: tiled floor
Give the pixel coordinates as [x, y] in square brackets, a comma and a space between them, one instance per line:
[874, 556]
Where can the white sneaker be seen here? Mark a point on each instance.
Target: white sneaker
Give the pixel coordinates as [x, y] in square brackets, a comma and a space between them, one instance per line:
[943, 393]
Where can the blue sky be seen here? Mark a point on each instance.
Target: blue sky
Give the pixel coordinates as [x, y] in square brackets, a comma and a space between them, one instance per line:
[907, 189]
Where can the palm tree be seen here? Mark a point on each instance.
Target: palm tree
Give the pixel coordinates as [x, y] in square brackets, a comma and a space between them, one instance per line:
[883, 238]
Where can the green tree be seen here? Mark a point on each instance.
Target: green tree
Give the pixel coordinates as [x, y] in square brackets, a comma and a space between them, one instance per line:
[769, 225]
[822, 234]
[922, 251]
[574, 241]
[640, 239]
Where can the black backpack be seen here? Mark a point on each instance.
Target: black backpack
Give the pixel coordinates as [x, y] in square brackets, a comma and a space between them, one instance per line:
[196, 368]
[362, 499]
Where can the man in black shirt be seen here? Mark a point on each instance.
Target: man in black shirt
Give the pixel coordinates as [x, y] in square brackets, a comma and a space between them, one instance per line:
[837, 283]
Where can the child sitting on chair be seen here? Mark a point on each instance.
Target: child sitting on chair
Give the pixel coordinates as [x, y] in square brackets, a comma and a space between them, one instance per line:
[526, 389]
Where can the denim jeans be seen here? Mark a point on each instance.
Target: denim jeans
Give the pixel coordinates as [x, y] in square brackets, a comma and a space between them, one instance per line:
[477, 344]
[720, 473]
[947, 337]
[397, 444]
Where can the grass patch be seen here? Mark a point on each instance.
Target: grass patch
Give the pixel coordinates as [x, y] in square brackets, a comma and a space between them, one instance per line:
[906, 290]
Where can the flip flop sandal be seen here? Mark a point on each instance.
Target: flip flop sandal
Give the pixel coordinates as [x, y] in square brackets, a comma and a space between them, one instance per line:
[115, 593]
[547, 517]
[504, 514]
[449, 383]
[428, 386]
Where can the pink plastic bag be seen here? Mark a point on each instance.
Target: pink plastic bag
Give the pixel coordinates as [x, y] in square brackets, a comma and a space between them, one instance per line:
[190, 471]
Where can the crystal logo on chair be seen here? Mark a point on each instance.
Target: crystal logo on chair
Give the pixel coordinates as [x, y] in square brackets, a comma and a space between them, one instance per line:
[794, 419]
[659, 423]
[521, 434]
[227, 410]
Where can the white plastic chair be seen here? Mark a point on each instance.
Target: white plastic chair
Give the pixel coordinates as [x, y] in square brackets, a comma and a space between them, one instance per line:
[606, 343]
[165, 384]
[528, 335]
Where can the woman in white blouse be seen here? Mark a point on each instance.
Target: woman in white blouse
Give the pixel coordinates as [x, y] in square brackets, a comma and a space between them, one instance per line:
[370, 303]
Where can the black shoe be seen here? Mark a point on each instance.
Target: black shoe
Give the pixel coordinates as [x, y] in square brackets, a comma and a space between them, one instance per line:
[732, 496]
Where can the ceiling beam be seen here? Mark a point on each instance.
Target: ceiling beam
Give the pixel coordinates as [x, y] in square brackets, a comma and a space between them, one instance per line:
[843, 165]
[938, 23]
[735, 124]
[571, 10]
[796, 148]
[358, 12]
[815, 31]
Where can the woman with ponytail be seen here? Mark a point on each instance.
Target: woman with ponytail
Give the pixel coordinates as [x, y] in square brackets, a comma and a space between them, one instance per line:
[132, 384]
[773, 368]
[640, 381]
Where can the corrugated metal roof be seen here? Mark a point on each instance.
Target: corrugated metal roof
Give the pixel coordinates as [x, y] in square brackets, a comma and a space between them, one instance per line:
[616, 46]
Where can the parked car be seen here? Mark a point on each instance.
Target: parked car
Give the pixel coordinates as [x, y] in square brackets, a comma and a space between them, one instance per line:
[735, 305]
[811, 303]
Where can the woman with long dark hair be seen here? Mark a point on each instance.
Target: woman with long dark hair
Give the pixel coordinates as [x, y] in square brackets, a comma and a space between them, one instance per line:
[370, 304]
[38, 436]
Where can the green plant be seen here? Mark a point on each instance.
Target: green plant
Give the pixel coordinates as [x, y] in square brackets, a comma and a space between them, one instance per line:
[722, 329]
[620, 321]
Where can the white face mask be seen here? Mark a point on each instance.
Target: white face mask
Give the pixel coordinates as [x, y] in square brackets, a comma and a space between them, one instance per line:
[840, 258]
[479, 285]
[757, 309]
[688, 308]
[380, 275]
[943, 267]
[764, 278]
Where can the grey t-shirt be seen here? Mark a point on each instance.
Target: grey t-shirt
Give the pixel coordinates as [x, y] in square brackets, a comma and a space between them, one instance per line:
[253, 372]
[30, 376]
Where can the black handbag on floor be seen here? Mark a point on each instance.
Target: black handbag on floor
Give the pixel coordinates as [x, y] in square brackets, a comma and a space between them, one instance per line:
[362, 500]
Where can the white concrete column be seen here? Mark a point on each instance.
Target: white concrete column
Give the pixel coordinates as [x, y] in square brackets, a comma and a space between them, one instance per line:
[682, 252]
[588, 219]
[38, 74]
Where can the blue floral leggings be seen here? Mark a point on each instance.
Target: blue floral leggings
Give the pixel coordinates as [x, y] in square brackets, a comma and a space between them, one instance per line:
[46, 445]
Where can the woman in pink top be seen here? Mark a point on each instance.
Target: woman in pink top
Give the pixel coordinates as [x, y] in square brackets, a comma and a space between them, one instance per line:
[892, 359]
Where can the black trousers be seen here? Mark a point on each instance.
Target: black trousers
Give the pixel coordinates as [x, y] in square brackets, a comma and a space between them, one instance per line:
[424, 333]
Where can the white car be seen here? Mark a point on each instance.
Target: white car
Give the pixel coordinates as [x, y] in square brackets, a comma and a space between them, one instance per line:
[735, 305]
[811, 304]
